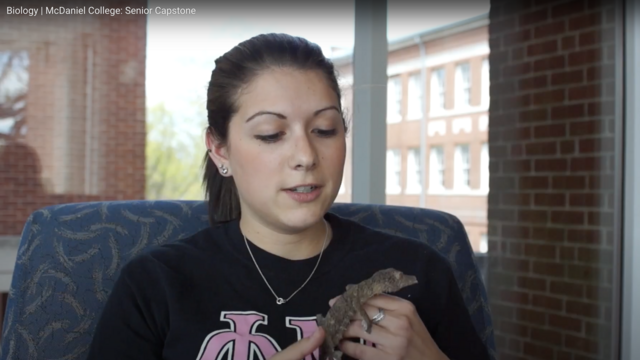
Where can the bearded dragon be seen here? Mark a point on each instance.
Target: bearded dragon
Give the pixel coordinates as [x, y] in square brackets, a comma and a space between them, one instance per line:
[351, 303]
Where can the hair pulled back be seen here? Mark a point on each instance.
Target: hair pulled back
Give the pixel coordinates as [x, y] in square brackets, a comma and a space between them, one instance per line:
[233, 71]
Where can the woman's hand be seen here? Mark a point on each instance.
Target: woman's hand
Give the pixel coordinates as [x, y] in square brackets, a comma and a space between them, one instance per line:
[400, 335]
[302, 348]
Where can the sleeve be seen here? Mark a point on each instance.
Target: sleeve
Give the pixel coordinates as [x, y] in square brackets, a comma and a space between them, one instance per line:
[130, 323]
[454, 332]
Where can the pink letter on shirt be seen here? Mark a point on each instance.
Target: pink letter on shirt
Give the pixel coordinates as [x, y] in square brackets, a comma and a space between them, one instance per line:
[305, 327]
[241, 339]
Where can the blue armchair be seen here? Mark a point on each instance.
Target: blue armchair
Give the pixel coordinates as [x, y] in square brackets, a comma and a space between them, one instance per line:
[70, 256]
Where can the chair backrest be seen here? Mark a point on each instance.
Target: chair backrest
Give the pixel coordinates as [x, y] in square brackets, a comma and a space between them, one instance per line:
[70, 256]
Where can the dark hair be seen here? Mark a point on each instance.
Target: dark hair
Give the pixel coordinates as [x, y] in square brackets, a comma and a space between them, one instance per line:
[233, 71]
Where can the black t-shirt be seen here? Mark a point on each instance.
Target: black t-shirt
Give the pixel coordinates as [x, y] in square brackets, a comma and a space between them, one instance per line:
[203, 298]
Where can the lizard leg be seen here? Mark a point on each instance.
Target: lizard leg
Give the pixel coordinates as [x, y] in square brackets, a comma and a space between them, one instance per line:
[366, 322]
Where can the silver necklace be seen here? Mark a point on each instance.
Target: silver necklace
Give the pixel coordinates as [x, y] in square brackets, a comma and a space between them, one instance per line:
[280, 300]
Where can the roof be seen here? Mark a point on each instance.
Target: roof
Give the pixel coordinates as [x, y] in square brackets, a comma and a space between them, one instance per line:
[427, 35]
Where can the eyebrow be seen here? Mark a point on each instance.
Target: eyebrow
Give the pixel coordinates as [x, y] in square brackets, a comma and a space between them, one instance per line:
[315, 113]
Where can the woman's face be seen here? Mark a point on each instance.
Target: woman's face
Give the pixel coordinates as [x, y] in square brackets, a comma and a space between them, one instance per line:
[286, 148]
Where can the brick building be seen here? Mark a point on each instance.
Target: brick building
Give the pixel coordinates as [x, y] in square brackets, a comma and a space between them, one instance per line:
[457, 102]
[72, 115]
[553, 178]
[83, 122]
[549, 121]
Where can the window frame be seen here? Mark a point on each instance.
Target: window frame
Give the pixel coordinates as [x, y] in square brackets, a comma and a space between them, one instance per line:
[463, 85]
[394, 88]
[462, 168]
[415, 97]
[393, 155]
[415, 187]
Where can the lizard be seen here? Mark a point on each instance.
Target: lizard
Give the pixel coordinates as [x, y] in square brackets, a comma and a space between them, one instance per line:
[351, 303]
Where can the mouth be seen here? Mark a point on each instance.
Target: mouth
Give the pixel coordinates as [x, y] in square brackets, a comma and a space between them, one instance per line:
[303, 189]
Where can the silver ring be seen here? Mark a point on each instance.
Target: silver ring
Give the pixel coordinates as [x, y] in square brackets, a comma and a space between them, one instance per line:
[378, 317]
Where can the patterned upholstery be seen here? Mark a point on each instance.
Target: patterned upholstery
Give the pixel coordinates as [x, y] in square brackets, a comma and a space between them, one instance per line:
[70, 255]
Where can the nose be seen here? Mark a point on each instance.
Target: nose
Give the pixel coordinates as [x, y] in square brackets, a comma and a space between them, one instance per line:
[304, 155]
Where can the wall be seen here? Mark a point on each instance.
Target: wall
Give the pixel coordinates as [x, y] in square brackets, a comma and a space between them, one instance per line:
[447, 51]
[551, 222]
[84, 116]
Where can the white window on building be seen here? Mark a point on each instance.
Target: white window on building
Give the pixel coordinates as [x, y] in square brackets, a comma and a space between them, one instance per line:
[394, 100]
[436, 168]
[485, 83]
[394, 167]
[484, 167]
[415, 98]
[463, 85]
[414, 178]
[342, 186]
[483, 123]
[437, 90]
[484, 244]
[461, 180]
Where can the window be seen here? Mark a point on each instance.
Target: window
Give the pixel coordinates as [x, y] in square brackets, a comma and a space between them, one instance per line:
[436, 168]
[484, 244]
[415, 97]
[414, 178]
[463, 85]
[394, 166]
[437, 90]
[461, 167]
[485, 83]
[484, 167]
[14, 85]
[342, 187]
[483, 123]
[394, 100]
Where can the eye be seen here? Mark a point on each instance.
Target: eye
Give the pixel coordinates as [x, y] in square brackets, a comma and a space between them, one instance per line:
[269, 138]
[326, 133]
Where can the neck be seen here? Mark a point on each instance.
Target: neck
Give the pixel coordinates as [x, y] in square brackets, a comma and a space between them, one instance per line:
[297, 245]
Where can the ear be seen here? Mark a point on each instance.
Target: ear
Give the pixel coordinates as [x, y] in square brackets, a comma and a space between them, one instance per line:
[218, 153]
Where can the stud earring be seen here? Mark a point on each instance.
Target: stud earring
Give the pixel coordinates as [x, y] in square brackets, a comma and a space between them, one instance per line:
[223, 170]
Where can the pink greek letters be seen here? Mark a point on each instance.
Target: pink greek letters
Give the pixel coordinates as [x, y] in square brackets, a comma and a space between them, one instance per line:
[241, 341]
[305, 327]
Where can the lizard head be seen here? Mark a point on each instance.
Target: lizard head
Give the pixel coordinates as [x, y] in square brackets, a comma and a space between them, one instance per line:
[394, 280]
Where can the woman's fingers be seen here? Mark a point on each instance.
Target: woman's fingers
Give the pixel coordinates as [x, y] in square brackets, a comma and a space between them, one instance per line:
[386, 342]
[387, 316]
[301, 348]
[359, 351]
[356, 330]
[392, 303]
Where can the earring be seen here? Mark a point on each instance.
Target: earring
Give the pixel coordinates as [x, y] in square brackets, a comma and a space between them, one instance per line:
[208, 150]
[223, 170]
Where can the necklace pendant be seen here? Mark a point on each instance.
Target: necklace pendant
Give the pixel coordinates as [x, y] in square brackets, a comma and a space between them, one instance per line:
[280, 301]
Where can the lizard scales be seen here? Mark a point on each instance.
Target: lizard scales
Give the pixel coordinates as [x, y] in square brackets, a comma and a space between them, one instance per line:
[351, 304]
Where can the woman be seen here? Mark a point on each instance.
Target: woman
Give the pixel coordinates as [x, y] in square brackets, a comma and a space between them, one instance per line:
[250, 286]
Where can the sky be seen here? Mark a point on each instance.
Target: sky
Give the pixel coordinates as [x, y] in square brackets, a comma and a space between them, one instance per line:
[181, 49]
